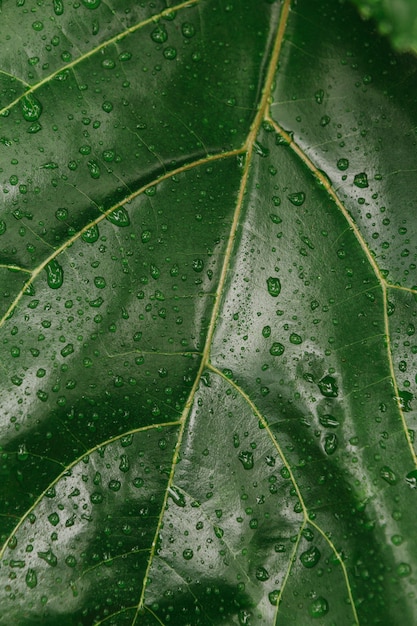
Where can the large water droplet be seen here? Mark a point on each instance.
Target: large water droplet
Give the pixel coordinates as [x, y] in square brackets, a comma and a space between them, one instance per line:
[49, 557]
[119, 217]
[310, 557]
[54, 274]
[297, 198]
[388, 475]
[31, 578]
[361, 180]
[328, 387]
[91, 4]
[319, 607]
[91, 234]
[246, 458]
[31, 107]
[159, 34]
[330, 443]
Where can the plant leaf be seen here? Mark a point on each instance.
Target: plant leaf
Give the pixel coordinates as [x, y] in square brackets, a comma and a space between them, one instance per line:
[208, 366]
[395, 18]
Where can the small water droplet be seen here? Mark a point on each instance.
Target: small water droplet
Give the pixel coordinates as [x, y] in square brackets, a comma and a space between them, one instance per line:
[54, 274]
[295, 339]
[188, 554]
[274, 286]
[170, 53]
[297, 198]
[91, 4]
[273, 596]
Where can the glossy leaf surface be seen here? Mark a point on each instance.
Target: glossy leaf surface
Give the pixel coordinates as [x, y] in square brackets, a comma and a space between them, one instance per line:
[208, 261]
[395, 18]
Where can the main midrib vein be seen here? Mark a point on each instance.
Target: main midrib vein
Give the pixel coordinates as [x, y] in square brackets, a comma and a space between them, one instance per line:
[119, 36]
[248, 149]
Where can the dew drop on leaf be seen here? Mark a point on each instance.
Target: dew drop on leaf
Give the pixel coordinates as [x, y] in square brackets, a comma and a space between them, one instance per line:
[31, 578]
[388, 475]
[343, 164]
[261, 573]
[54, 274]
[328, 387]
[187, 30]
[119, 217]
[91, 4]
[49, 557]
[188, 554]
[361, 180]
[297, 198]
[58, 7]
[91, 234]
[159, 34]
[31, 108]
[330, 444]
[319, 607]
[328, 421]
[274, 286]
[276, 349]
[273, 597]
[296, 339]
[246, 458]
[310, 557]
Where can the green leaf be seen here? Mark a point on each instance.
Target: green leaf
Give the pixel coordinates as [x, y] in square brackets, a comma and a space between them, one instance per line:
[208, 355]
[395, 18]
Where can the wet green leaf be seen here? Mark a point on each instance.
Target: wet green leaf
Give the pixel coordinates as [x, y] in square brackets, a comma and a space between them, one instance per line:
[208, 355]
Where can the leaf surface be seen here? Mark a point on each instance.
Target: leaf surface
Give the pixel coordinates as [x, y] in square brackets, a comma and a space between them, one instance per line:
[208, 315]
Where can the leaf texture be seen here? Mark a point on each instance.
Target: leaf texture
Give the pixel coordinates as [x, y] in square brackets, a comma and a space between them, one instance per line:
[208, 261]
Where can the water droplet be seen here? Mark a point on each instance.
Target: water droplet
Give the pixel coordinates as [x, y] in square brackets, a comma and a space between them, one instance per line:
[67, 350]
[328, 421]
[96, 497]
[343, 164]
[188, 554]
[22, 452]
[276, 349]
[405, 398]
[53, 519]
[114, 485]
[119, 217]
[58, 7]
[298, 198]
[274, 286]
[310, 557]
[388, 475]
[403, 570]
[246, 458]
[159, 34]
[71, 561]
[155, 271]
[177, 497]
[49, 557]
[170, 53]
[100, 282]
[31, 108]
[124, 465]
[31, 578]
[54, 274]
[94, 169]
[261, 150]
[361, 180]
[91, 234]
[319, 607]
[198, 265]
[273, 596]
[187, 30]
[328, 387]
[330, 443]
[107, 106]
[91, 4]
[295, 339]
[261, 573]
